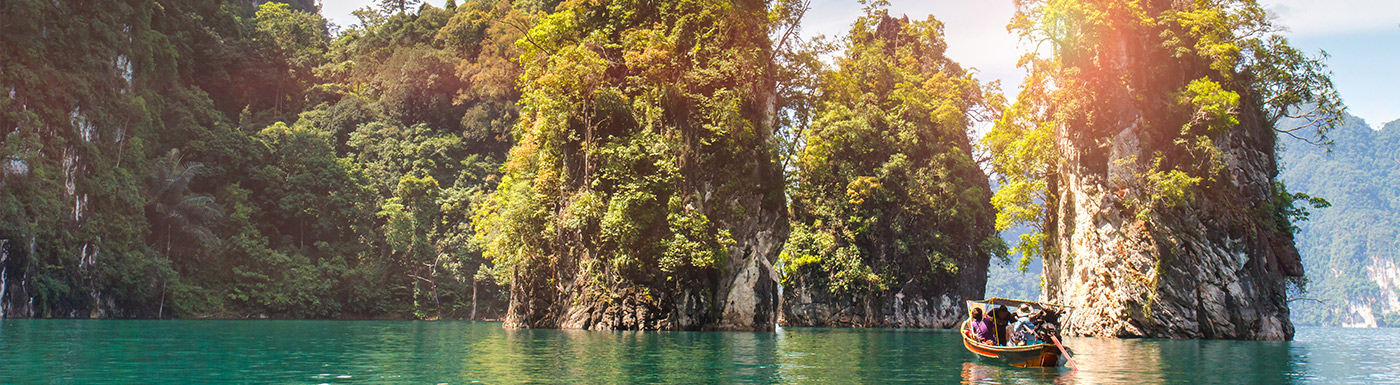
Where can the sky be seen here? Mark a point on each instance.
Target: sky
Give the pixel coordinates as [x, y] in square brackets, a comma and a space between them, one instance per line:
[1362, 37]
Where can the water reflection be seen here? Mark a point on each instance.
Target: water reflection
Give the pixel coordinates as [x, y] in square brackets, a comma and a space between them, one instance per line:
[627, 357]
[1106, 361]
[1351, 356]
[985, 373]
[868, 356]
[64, 351]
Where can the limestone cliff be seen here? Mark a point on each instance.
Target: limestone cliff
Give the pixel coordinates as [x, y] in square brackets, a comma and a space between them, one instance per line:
[1198, 271]
[14, 291]
[1131, 263]
[911, 306]
[644, 191]
[743, 295]
[892, 221]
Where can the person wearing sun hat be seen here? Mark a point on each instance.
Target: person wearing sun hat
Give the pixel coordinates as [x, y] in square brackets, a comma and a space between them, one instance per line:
[1022, 332]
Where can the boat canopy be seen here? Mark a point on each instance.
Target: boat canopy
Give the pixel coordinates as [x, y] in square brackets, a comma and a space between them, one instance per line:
[987, 304]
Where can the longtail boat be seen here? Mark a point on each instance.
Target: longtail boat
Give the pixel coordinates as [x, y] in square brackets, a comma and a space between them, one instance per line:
[1044, 354]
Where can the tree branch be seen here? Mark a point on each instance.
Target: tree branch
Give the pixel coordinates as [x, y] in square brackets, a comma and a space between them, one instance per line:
[1318, 142]
[429, 281]
[791, 28]
[525, 34]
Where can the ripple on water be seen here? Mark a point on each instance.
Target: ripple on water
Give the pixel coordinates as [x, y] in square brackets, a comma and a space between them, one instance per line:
[216, 352]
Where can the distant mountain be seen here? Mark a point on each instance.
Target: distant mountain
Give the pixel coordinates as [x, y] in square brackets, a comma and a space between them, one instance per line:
[1351, 251]
[1006, 281]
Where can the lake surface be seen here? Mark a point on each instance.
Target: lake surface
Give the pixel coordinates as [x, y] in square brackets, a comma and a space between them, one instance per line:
[377, 352]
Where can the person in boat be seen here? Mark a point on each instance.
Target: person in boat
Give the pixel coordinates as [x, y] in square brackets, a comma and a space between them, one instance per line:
[980, 328]
[1023, 330]
[1001, 318]
[1012, 339]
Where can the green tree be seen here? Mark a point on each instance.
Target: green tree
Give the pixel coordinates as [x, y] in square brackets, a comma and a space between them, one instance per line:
[293, 42]
[177, 212]
[888, 198]
[400, 6]
[435, 96]
[89, 93]
[642, 147]
[1228, 49]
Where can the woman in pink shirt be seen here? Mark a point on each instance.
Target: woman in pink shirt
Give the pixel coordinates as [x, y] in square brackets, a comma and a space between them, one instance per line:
[981, 327]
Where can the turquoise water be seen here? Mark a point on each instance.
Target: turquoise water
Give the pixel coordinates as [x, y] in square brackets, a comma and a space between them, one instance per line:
[375, 352]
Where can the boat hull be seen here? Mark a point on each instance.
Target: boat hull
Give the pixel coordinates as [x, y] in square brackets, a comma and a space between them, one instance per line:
[1030, 356]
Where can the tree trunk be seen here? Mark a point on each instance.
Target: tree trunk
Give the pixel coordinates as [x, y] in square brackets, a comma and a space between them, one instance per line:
[160, 312]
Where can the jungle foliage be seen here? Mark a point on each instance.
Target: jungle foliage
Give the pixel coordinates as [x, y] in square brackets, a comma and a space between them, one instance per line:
[1351, 246]
[644, 129]
[887, 194]
[1236, 64]
[241, 158]
[194, 159]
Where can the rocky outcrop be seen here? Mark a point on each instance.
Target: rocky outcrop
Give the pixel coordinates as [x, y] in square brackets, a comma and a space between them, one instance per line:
[1369, 309]
[1191, 275]
[748, 289]
[743, 296]
[665, 197]
[1213, 267]
[15, 298]
[892, 219]
[806, 306]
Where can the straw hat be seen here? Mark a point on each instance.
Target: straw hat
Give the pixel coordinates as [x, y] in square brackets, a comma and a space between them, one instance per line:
[1023, 311]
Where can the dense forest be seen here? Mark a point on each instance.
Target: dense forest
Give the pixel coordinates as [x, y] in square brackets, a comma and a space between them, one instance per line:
[644, 191]
[227, 159]
[891, 214]
[575, 163]
[1350, 247]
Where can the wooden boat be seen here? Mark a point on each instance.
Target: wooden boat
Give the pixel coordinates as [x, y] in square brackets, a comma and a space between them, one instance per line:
[1039, 355]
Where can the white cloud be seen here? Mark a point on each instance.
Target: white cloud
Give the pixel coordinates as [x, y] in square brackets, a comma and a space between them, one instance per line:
[975, 30]
[1314, 17]
[338, 11]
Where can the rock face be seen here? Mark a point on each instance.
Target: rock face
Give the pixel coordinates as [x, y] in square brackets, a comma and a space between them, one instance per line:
[1386, 275]
[1192, 276]
[663, 200]
[748, 294]
[743, 296]
[14, 291]
[806, 306]
[1211, 268]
